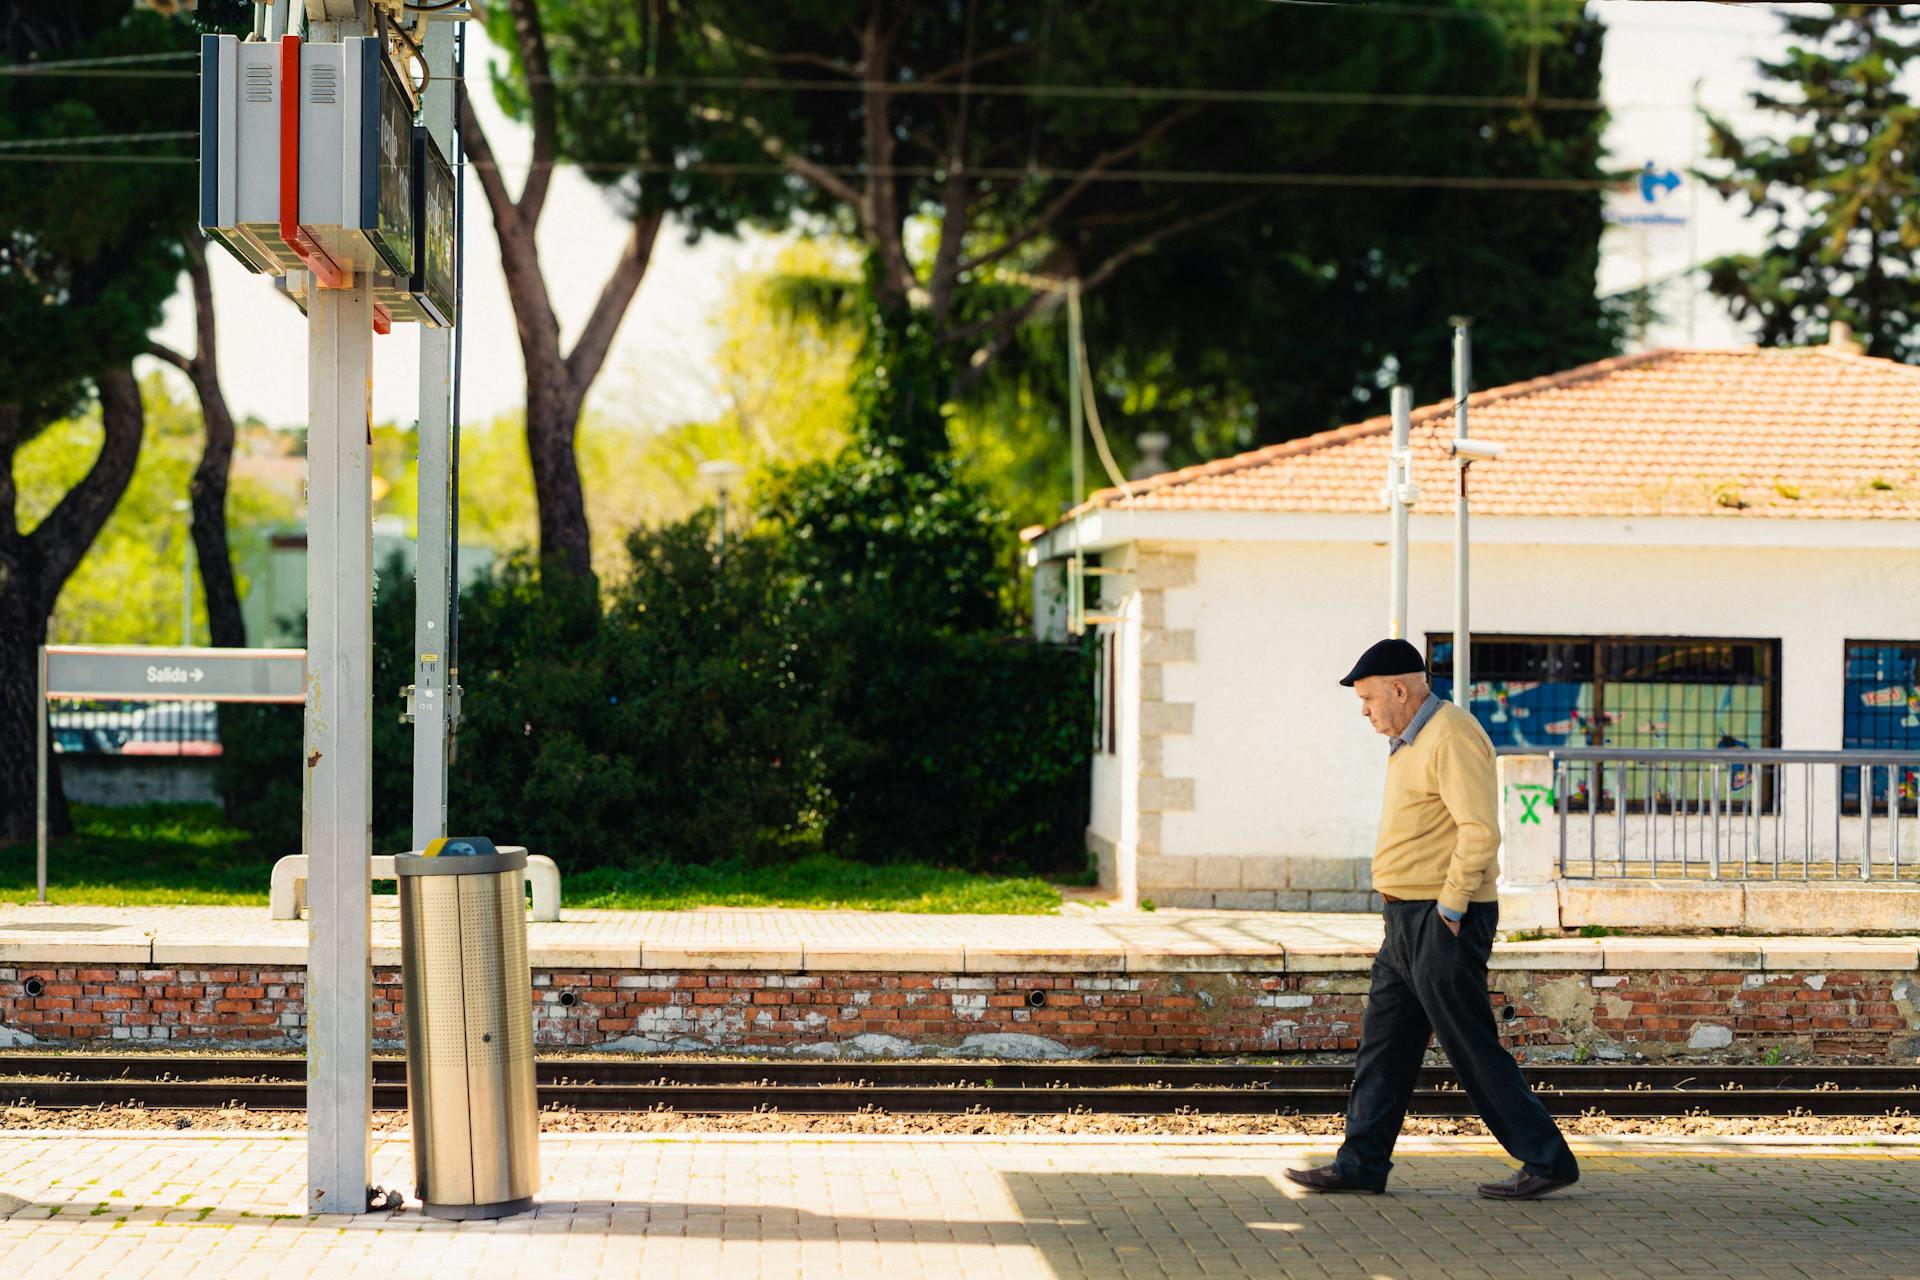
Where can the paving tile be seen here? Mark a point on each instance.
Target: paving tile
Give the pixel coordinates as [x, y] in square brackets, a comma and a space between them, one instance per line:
[993, 959]
[1197, 958]
[229, 951]
[1558, 954]
[719, 956]
[1107, 940]
[1682, 953]
[58, 949]
[599, 955]
[905, 959]
[1329, 959]
[1845, 954]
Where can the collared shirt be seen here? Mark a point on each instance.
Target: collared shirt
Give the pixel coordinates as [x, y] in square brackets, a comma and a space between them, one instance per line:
[1412, 731]
[1420, 718]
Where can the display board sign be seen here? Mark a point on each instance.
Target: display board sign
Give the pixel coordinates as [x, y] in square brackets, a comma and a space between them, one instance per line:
[390, 220]
[426, 295]
[173, 675]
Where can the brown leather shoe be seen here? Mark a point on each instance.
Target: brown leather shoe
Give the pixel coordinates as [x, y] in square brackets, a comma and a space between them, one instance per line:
[1325, 1179]
[1525, 1186]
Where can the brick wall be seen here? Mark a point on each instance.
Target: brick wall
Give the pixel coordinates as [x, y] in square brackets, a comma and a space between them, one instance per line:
[1660, 1013]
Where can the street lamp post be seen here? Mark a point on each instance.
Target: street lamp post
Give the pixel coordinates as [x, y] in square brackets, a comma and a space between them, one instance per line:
[1400, 493]
[722, 476]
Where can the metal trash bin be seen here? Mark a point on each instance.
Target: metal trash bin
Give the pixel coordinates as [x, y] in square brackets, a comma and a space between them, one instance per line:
[469, 1010]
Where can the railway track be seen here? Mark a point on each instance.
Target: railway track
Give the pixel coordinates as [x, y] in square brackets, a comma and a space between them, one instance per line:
[277, 1083]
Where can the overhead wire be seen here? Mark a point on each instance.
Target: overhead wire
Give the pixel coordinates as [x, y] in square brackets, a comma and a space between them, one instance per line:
[175, 135]
[1172, 177]
[74, 64]
[1170, 94]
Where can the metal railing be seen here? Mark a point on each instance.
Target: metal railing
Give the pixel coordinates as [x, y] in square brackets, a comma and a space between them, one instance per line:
[161, 728]
[1737, 814]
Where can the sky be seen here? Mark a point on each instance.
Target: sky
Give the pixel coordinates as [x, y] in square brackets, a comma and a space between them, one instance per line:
[1658, 55]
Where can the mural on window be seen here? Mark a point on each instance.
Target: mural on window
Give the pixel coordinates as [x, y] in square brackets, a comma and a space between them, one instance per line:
[1882, 713]
[1536, 693]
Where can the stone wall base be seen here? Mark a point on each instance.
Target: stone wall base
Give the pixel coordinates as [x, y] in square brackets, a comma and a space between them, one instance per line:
[1544, 1015]
[1261, 883]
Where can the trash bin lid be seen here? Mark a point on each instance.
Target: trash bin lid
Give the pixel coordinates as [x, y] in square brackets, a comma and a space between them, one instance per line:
[460, 856]
[459, 847]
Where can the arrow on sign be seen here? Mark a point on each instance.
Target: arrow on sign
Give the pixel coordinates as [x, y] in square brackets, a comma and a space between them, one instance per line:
[198, 675]
[1650, 180]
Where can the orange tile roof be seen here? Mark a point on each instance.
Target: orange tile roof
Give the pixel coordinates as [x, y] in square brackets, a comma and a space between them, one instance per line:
[1817, 432]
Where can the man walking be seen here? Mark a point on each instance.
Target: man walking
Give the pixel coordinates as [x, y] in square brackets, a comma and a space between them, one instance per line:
[1434, 865]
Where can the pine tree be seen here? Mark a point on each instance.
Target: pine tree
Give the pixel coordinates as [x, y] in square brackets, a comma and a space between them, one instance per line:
[1839, 188]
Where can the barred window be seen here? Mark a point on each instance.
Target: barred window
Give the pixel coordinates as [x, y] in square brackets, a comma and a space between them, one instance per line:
[1882, 713]
[1535, 693]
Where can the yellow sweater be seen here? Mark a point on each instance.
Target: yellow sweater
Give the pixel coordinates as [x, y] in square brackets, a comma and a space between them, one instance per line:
[1440, 821]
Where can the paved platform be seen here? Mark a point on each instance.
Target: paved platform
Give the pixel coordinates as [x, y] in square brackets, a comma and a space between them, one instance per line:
[741, 1207]
[1106, 940]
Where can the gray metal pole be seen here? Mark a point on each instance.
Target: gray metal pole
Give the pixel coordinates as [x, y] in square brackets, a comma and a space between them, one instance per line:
[434, 587]
[339, 748]
[40, 710]
[1399, 472]
[1462, 629]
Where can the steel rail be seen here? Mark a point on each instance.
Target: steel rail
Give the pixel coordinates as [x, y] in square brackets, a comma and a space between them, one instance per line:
[277, 1084]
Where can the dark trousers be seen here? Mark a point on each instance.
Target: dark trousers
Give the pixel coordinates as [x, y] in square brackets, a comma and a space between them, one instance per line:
[1427, 982]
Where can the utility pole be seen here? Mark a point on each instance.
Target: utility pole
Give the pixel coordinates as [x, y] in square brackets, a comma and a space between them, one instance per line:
[1400, 494]
[338, 752]
[436, 594]
[1462, 635]
[1465, 450]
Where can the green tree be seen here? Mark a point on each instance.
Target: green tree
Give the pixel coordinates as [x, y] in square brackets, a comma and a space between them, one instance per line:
[207, 488]
[88, 255]
[1838, 188]
[1302, 311]
[980, 150]
[126, 589]
[569, 72]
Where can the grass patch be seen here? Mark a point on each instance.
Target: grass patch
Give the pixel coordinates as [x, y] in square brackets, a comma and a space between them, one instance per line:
[819, 882]
[187, 855]
[147, 855]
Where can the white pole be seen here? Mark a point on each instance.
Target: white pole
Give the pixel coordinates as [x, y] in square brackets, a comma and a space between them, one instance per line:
[434, 589]
[40, 710]
[338, 755]
[1399, 474]
[1076, 565]
[1462, 630]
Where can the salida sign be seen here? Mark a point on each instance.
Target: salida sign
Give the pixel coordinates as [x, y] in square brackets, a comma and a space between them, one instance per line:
[213, 675]
[1649, 201]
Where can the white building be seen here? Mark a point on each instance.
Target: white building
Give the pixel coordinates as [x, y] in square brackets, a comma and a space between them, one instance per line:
[1678, 548]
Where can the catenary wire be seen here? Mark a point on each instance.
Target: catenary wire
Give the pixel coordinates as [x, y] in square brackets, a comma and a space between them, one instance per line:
[176, 135]
[1172, 177]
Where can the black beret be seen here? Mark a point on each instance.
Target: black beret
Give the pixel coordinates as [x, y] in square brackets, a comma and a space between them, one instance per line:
[1387, 658]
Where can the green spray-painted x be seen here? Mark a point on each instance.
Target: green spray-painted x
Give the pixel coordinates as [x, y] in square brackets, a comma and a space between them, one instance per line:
[1531, 794]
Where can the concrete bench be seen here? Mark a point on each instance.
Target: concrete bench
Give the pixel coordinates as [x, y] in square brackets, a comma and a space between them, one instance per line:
[287, 893]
